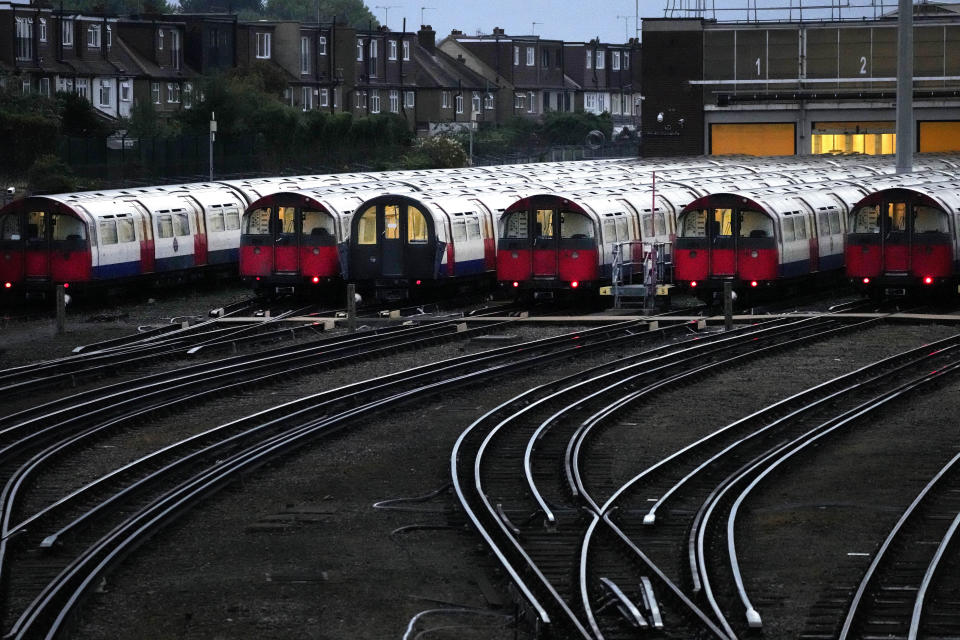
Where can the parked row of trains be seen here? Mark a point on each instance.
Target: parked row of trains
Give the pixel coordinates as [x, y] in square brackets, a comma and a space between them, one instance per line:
[537, 228]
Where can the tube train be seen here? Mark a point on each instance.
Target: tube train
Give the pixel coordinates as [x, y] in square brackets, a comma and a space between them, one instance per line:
[170, 232]
[760, 239]
[905, 238]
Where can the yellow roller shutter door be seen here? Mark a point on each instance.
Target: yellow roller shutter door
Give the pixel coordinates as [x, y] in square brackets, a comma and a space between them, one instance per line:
[939, 136]
[769, 139]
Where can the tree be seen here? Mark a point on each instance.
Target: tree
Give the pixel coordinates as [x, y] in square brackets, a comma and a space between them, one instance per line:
[353, 13]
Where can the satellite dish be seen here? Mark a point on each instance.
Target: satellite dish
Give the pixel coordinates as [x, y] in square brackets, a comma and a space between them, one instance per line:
[595, 139]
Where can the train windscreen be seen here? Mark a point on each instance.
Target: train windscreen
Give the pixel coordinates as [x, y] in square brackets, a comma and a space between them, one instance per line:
[514, 225]
[575, 225]
[754, 224]
[10, 227]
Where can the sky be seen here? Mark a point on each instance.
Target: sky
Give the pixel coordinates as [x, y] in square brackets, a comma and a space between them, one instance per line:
[577, 21]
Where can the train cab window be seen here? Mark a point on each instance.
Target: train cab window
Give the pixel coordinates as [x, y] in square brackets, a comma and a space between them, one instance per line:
[108, 232]
[754, 224]
[231, 219]
[865, 220]
[36, 225]
[514, 225]
[215, 221]
[367, 227]
[125, 230]
[416, 226]
[575, 225]
[317, 224]
[10, 227]
[391, 222]
[721, 222]
[459, 231]
[896, 219]
[257, 222]
[181, 224]
[286, 220]
[68, 228]
[929, 220]
[544, 223]
[693, 224]
[165, 226]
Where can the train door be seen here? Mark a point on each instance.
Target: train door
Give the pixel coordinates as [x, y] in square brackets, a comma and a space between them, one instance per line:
[895, 238]
[37, 250]
[545, 227]
[723, 242]
[286, 244]
[11, 248]
[391, 247]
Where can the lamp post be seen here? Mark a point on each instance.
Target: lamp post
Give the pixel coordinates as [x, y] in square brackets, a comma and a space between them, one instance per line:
[213, 136]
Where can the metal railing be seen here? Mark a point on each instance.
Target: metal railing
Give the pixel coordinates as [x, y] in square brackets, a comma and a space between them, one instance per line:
[638, 277]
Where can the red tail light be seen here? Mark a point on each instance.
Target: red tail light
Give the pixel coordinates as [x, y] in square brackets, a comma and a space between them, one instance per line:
[66, 285]
[693, 284]
[258, 278]
[419, 282]
[866, 281]
[315, 279]
[753, 283]
[7, 285]
[516, 284]
[928, 280]
[574, 284]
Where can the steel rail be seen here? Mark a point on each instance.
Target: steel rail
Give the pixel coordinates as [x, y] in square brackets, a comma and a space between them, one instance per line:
[934, 566]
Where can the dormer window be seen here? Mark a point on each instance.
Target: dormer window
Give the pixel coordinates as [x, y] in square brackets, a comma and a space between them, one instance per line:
[66, 33]
[109, 36]
[601, 62]
[359, 50]
[406, 49]
[322, 45]
[263, 45]
[43, 29]
[93, 36]
[392, 50]
[160, 39]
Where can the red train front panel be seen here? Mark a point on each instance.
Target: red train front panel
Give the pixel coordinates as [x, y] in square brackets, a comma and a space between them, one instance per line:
[42, 243]
[721, 237]
[547, 243]
[899, 239]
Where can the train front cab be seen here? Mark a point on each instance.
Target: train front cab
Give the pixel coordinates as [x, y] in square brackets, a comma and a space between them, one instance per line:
[395, 247]
[289, 244]
[725, 238]
[43, 243]
[899, 240]
[547, 245]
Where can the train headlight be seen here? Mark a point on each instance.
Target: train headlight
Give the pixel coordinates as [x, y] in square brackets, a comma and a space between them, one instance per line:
[514, 255]
[928, 280]
[574, 255]
[754, 254]
[754, 283]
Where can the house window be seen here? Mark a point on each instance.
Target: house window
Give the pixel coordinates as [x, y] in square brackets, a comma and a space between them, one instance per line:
[125, 91]
[93, 36]
[324, 97]
[45, 86]
[359, 50]
[488, 102]
[159, 39]
[531, 106]
[375, 101]
[459, 100]
[304, 55]
[109, 36]
[25, 85]
[529, 56]
[263, 45]
[590, 102]
[516, 56]
[601, 61]
[306, 98]
[175, 49]
[173, 93]
[475, 102]
[66, 33]
[24, 38]
[187, 95]
[408, 99]
[212, 38]
[155, 92]
[545, 58]
[626, 59]
[394, 101]
[322, 45]
[65, 84]
[406, 49]
[83, 87]
[615, 60]
[392, 49]
[336, 97]
[373, 58]
[43, 29]
[589, 59]
[105, 93]
[518, 100]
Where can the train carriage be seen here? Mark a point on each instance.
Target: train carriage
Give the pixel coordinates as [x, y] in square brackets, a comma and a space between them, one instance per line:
[904, 238]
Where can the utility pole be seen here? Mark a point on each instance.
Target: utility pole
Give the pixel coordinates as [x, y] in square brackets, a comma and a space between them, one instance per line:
[905, 87]
[213, 136]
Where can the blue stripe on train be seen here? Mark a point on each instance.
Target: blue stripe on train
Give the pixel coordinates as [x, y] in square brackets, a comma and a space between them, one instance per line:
[175, 263]
[116, 270]
[470, 267]
[223, 256]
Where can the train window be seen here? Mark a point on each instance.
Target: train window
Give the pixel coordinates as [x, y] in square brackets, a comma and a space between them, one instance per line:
[318, 224]
[609, 231]
[164, 226]
[929, 220]
[459, 232]
[257, 222]
[544, 223]
[660, 223]
[68, 228]
[824, 223]
[416, 226]
[231, 219]
[36, 225]
[125, 230]
[108, 232]
[865, 220]
[622, 234]
[215, 221]
[835, 222]
[473, 229]
[800, 227]
[181, 225]
[367, 227]
[789, 235]
[647, 225]
[514, 225]
[694, 224]
[10, 227]
[754, 224]
[391, 222]
[896, 216]
[575, 225]
[721, 222]
[287, 218]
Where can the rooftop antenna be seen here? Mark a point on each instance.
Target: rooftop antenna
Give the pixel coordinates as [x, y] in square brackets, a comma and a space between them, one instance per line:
[386, 12]
[422, 9]
[626, 23]
[533, 28]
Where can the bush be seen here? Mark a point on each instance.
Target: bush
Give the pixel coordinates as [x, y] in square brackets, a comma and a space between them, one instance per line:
[436, 152]
[49, 174]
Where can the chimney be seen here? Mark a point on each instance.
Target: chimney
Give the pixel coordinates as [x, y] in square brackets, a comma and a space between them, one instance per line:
[427, 38]
[497, 31]
[456, 32]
